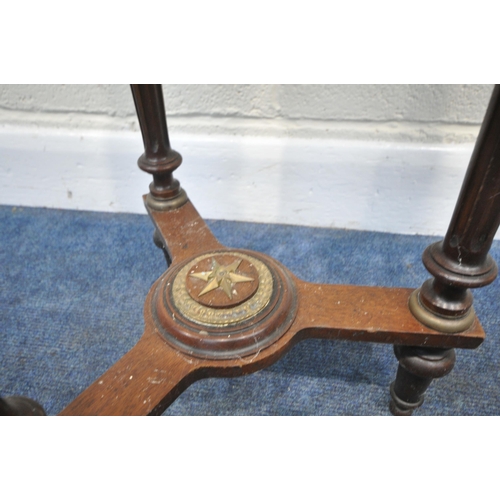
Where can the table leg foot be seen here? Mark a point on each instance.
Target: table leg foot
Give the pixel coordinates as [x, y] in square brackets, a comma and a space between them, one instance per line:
[418, 366]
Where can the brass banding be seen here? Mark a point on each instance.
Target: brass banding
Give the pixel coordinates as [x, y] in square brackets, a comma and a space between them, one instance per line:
[161, 205]
[204, 315]
[436, 322]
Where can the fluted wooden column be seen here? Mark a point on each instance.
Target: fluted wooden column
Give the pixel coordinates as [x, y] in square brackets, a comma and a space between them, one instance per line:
[460, 262]
[159, 159]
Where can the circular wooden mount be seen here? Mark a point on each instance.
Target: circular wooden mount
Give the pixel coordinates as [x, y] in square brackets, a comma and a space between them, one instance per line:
[224, 304]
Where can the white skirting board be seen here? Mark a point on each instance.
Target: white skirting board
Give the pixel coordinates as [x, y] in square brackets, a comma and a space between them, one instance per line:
[365, 185]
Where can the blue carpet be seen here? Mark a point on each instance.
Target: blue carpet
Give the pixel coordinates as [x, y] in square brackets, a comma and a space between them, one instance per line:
[72, 289]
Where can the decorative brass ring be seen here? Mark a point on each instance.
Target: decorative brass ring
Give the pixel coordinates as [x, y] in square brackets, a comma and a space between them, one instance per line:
[203, 315]
[439, 323]
[215, 332]
[167, 204]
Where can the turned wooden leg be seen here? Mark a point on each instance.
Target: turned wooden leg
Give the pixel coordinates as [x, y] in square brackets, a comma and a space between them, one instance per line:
[172, 354]
[19, 406]
[159, 159]
[223, 312]
[459, 262]
[418, 366]
[158, 241]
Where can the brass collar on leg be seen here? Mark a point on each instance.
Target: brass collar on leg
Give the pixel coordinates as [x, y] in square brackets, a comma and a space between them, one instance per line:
[437, 322]
[168, 203]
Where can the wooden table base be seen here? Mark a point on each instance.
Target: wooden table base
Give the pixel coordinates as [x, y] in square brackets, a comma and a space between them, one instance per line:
[175, 351]
[220, 312]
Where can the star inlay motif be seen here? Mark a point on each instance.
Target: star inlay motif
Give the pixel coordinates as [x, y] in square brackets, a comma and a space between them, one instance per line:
[221, 277]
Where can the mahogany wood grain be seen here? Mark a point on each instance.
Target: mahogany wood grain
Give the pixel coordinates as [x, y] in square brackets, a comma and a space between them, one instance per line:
[183, 232]
[371, 314]
[150, 376]
[418, 367]
[159, 159]
[461, 260]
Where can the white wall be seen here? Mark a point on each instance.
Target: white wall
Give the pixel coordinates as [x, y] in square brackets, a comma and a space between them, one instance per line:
[381, 157]
[421, 113]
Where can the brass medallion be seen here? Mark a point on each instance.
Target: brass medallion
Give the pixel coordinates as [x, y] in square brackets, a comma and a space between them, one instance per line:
[222, 288]
[222, 281]
[224, 304]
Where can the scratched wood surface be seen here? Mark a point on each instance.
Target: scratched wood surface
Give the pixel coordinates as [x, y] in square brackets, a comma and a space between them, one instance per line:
[153, 374]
